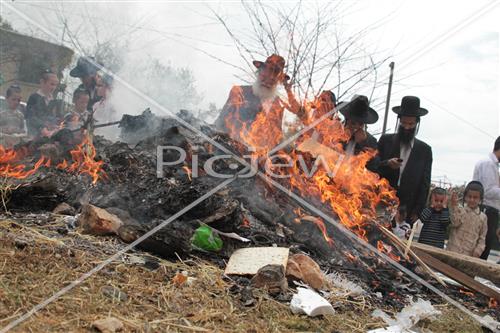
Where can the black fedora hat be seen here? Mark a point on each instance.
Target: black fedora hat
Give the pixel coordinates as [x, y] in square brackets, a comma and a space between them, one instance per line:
[410, 106]
[358, 109]
[84, 66]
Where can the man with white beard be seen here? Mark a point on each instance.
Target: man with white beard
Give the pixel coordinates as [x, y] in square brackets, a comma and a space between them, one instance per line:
[246, 102]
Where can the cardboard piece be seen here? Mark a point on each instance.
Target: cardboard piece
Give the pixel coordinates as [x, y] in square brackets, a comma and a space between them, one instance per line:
[249, 260]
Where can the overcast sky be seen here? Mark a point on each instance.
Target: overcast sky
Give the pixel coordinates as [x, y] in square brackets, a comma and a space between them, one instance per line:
[446, 53]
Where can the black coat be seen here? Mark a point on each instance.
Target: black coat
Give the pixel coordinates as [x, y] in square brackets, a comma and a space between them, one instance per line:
[369, 143]
[39, 114]
[416, 178]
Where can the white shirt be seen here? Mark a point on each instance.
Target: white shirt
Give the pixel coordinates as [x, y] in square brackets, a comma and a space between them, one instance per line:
[486, 172]
[404, 154]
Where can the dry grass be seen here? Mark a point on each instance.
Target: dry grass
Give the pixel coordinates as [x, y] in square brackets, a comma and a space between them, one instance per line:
[36, 261]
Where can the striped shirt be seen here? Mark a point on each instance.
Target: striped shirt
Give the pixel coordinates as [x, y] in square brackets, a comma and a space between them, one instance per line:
[434, 226]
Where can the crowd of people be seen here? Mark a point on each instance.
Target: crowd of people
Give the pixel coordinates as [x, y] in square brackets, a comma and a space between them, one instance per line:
[43, 115]
[405, 161]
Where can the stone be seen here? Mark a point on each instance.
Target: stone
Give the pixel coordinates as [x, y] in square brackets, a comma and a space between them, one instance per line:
[272, 278]
[301, 267]
[64, 209]
[114, 293]
[108, 325]
[98, 221]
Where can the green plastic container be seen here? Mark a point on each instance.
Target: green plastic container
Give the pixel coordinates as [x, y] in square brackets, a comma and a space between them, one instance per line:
[205, 239]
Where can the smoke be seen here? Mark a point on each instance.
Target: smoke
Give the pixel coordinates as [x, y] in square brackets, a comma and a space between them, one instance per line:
[172, 88]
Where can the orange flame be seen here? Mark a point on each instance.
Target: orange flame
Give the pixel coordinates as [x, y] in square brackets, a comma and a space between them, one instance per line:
[341, 182]
[350, 256]
[465, 292]
[188, 172]
[84, 162]
[493, 303]
[10, 169]
[63, 165]
[387, 249]
[245, 223]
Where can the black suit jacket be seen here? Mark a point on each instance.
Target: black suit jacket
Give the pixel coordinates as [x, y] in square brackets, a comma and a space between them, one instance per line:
[416, 178]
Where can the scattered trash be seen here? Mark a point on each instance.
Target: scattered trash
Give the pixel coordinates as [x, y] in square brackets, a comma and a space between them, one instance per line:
[347, 288]
[311, 303]
[487, 283]
[303, 268]
[71, 221]
[410, 315]
[180, 278]
[249, 260]
[232, 235]
[272, 278]
[205, 238]
[108, 325]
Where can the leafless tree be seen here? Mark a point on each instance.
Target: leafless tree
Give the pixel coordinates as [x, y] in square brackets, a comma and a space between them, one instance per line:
[319, 54]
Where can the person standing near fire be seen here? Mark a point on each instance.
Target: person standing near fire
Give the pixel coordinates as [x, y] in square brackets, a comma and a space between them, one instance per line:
[245, 103]
[12, 124]
[86, 70]
[42, 117]
[78, 114]
[486, 172]
[357, 115]
[406, 162]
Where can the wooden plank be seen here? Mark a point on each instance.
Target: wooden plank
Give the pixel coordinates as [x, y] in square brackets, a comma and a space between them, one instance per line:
[469, 265]
[457, 275]
[401, 245]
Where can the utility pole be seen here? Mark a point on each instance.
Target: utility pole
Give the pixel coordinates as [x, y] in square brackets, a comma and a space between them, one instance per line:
[391, 65]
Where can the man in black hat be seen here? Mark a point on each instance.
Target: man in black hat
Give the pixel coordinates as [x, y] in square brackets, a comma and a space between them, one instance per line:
[358, 114]
[86, 69]
[245, 103]
[406, 162]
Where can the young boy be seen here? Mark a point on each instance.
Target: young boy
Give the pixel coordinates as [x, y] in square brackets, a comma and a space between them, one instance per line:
[39, 117]
[76, 118]
[12, 124]
[468, 223]
[435, 219]
[399, 226]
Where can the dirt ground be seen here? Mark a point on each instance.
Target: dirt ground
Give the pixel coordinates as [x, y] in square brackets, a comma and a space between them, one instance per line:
[37, 261]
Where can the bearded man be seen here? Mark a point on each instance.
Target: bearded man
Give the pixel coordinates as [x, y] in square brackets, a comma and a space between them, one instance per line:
[406, 162]
[245, 103]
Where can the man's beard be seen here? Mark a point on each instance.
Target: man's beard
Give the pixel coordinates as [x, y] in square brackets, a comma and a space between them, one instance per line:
[405, 136]
[264, 93]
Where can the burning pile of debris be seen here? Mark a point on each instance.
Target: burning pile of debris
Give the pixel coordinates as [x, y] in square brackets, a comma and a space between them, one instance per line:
[162, 166]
